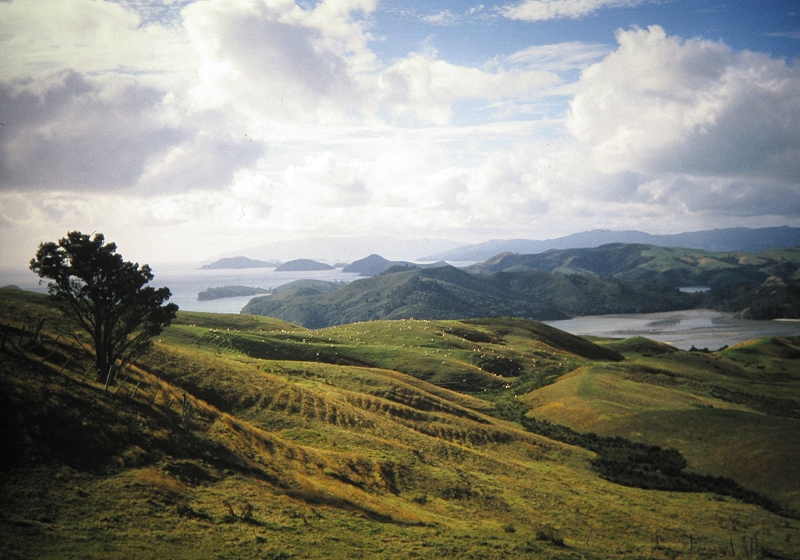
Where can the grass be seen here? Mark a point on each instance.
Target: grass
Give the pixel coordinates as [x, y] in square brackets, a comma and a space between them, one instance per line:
[348, 441]
[732, 413]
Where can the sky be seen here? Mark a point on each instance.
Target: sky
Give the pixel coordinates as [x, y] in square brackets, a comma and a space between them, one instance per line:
[182, 129]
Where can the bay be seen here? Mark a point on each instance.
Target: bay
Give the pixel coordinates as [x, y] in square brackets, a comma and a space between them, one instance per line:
[701, 328]
[185, 283]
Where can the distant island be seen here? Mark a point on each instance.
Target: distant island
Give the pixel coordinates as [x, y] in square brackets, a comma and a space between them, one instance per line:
[302, 265]
[238, 263]
[374, 265]
[229, 291]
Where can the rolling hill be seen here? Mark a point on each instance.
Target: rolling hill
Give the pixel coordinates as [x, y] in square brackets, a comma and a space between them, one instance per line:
[735, 412]
[447, 292]
[764, 285]
[251, 437]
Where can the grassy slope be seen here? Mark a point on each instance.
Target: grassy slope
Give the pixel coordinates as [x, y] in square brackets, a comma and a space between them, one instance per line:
[734, 413]
[336, 439]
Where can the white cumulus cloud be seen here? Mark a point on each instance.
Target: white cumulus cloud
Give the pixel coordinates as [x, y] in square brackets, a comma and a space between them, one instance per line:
[690, 125]
[660, 104]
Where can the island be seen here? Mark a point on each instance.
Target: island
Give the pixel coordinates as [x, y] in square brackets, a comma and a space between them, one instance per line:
[302, 265]
[374, 265]
[238, 263]
[230, 291]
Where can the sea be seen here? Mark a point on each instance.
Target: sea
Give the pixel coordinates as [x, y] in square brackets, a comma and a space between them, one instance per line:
[186, 281]
[699, 328]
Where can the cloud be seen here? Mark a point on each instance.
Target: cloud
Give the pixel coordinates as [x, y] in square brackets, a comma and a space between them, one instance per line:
[205, 160]
[81, 133]
[542, 10]
[660, 104]
[277, 61]
[785, 34]
[733, 198]
[274, 62]
[426, 87]
[687, 125]
[559, 57]
[228, 121]
[94, 99]
[104, 134]
[443, 17]
[326, 181]
[39, 38]
[79, 114]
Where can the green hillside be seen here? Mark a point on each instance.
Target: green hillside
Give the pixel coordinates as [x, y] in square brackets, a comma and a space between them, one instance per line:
[556, 284]
[763, 285]
[249, 437]
[450, 293]
[733, 413]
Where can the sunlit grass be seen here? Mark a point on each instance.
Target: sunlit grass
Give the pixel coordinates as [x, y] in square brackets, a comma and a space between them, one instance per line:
[351, 442]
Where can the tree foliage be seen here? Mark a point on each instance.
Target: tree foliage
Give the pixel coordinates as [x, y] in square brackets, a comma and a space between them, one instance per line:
[106, 296]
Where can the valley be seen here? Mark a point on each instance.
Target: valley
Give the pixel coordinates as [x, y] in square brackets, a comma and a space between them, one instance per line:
[252, 437]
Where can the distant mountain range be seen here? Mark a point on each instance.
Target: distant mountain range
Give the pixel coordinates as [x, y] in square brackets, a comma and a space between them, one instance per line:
[730, 239]
[344, 249]
[350, 249]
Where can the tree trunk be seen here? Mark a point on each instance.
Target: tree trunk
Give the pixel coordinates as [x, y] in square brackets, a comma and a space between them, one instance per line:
[103, 366]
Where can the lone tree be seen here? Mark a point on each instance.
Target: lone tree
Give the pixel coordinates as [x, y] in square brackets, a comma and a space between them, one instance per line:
[106, 296]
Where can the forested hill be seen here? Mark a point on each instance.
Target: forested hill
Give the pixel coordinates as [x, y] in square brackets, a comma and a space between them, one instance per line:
[558, 284]
[451, 293]
[677, 266]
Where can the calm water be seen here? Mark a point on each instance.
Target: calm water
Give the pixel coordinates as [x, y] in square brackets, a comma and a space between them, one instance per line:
[185, 282]
[701, 328]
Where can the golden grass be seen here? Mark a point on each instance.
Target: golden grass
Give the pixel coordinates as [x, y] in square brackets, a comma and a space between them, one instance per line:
[307, 459]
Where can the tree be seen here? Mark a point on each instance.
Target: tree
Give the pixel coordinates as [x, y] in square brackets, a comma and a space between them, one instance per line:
[106, 296]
